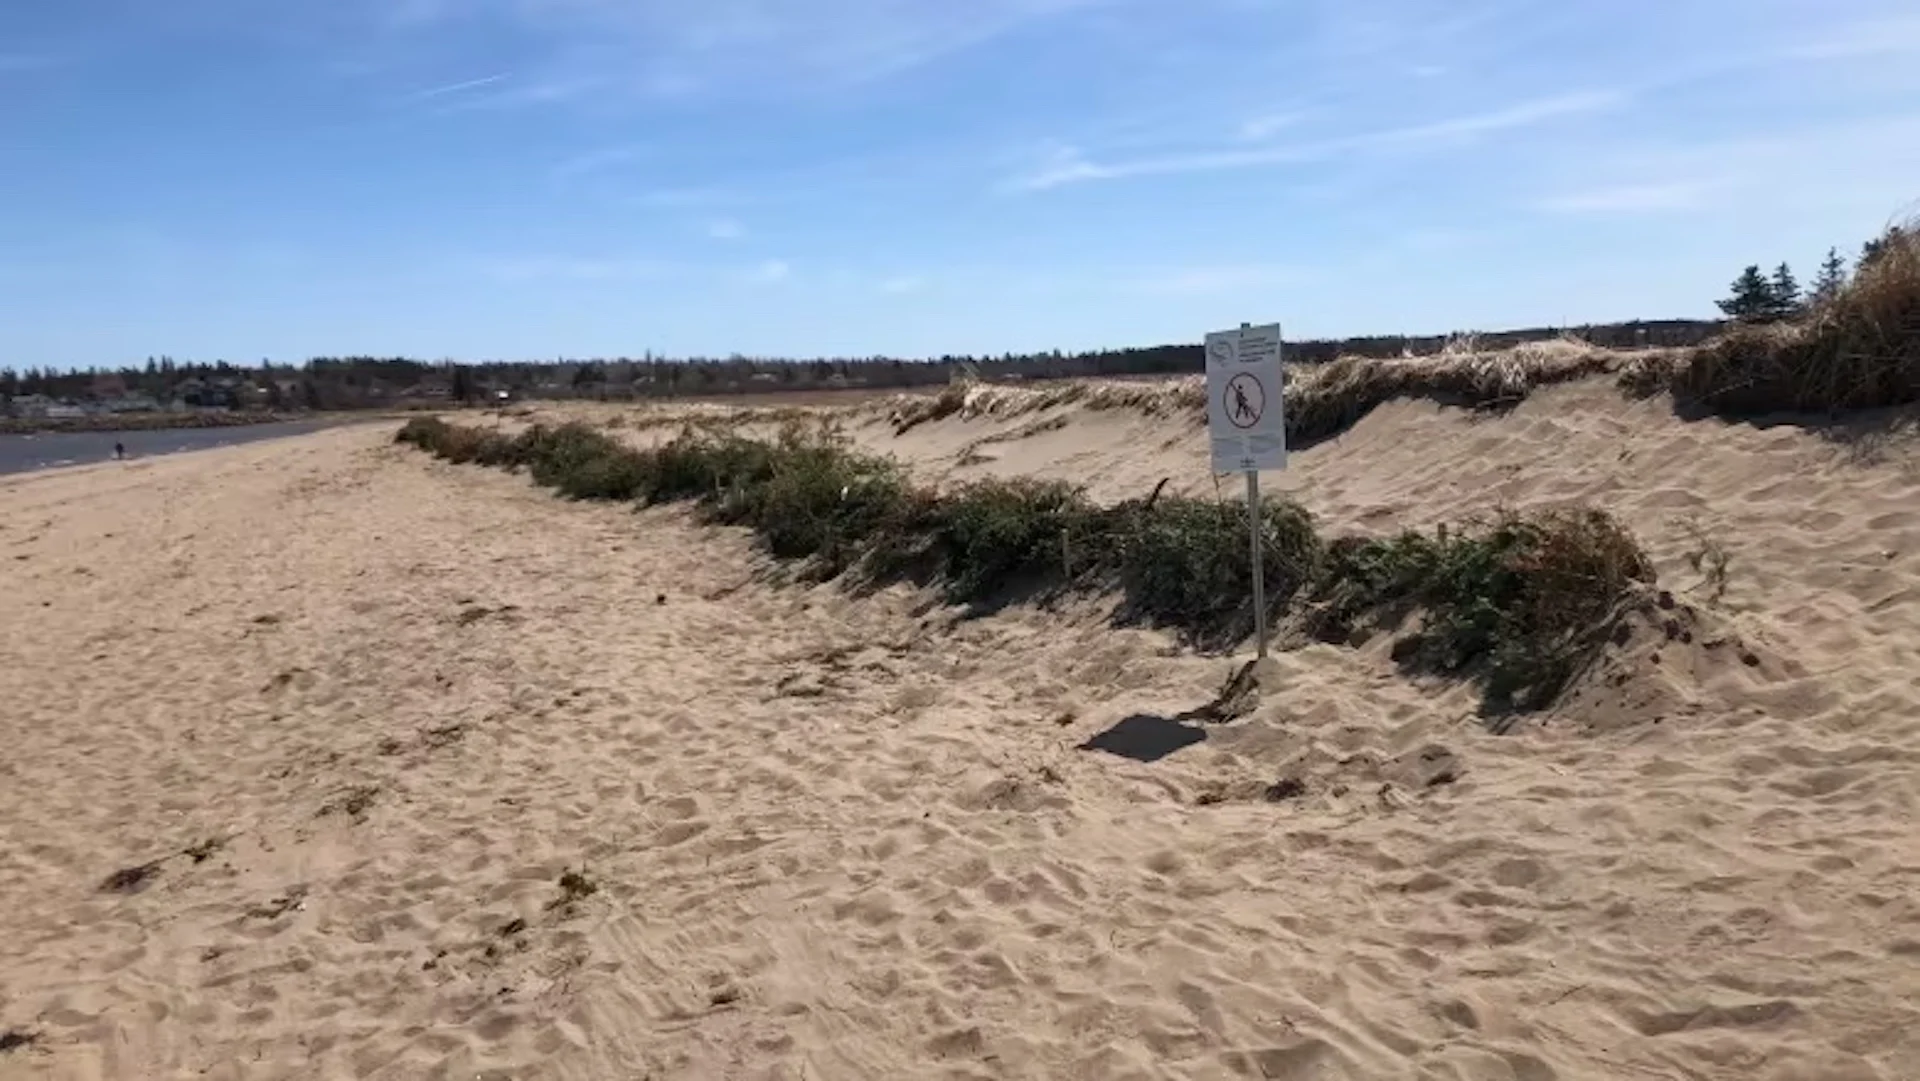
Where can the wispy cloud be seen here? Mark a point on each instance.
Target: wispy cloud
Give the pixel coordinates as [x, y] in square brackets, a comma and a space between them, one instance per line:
[1632, 198]
[521, 93]
[1779, 172]
[670, 47]
[519, 269]
[1524, 115]
[684, 198]
[596, 160]
[458, 88]
[906, 283]
[1261, 128]
[726, 229]
[770, 271]
[1866, 38]
[1068, 166]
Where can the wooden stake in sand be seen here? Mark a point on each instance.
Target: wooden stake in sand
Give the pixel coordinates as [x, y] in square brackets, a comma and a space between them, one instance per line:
[1246, 422]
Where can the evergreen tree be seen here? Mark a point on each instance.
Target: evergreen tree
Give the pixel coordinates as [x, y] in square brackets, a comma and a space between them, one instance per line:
[1786, 293]
[1833, 275]
[462, 384]
[1872, 250]
[1752, 299]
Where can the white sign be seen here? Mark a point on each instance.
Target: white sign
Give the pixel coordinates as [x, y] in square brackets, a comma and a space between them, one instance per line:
[1246, 415]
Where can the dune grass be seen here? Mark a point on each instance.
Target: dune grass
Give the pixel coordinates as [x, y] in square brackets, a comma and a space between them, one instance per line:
[1859, 349]
[1322, 400]
[1519, 602]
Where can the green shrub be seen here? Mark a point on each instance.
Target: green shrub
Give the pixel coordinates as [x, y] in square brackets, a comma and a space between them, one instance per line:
[1366, 582]
[1519, 601]
[993, 532]
[620, 474]
[698, 465]
[555, 454]
[496, 449]
[1188, 562]
[463, 445]
[427, 433]
[1522, 600]
[811, 498]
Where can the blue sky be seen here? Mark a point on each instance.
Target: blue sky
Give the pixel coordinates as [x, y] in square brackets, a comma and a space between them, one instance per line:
[242, 179]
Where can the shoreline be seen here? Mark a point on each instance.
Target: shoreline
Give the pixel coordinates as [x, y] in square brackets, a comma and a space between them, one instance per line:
[144, 422]
[37, 452]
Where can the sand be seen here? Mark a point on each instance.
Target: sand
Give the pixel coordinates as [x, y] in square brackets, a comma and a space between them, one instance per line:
[344, 717]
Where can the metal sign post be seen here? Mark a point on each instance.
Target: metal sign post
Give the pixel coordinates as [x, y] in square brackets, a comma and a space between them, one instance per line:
[1246, 422]
[1259, 565]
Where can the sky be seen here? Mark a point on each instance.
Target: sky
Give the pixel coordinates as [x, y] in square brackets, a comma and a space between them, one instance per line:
[520, 179]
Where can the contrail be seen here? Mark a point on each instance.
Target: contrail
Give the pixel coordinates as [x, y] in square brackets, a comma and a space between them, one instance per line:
[455, 88]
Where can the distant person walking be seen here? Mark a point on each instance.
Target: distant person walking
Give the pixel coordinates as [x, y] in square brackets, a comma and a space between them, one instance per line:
[119, 451]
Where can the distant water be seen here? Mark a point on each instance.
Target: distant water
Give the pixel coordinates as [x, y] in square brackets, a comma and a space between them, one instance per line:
[25, 453]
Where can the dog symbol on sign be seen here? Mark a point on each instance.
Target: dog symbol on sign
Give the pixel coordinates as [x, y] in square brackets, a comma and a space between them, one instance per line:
[1245, 400]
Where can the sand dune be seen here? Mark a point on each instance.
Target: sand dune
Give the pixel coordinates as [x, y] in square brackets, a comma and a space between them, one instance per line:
[345, 717]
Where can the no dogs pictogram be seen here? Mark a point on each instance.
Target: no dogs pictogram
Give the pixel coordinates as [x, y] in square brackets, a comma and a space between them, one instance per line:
[1245, 400]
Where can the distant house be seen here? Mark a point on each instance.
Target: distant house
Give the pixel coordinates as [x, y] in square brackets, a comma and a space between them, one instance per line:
[30, 405]
[196, 393]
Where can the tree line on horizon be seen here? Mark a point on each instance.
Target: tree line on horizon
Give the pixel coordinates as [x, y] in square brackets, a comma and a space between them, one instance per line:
[330, 383]
[361, 382]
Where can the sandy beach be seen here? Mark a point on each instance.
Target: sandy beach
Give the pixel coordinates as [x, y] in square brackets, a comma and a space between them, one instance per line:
[325, 759]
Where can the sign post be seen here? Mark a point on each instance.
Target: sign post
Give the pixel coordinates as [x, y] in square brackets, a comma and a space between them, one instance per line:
[1246, 422]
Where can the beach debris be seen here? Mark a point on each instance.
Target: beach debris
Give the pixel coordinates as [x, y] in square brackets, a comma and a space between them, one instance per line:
[575, 886]
[475, 613]
[442, 735]
[202, 851]
[131, 879]
[15, 1039]
[1237, 697]
[1285, 789]
[353, 802]
[285, 679]
[293, 900]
